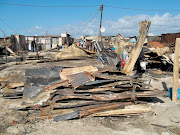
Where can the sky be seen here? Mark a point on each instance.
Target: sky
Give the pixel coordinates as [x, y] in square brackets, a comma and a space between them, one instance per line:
[82, 17]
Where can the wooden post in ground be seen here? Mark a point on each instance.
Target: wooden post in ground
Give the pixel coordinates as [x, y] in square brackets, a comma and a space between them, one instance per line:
[5, 43]
[37, 56]
[67, 39]
[143, 29]
[176, 71]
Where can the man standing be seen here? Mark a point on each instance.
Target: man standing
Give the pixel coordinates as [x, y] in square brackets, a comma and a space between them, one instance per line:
[33, 45]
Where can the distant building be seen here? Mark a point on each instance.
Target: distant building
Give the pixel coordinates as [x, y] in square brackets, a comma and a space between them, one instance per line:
[48, 42]
[170, 37]
[15, 42]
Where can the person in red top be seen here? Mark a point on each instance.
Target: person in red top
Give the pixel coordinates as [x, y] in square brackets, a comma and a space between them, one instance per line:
[123, 62]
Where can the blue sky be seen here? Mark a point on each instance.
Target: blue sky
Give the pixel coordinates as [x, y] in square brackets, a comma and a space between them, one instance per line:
[29, 20]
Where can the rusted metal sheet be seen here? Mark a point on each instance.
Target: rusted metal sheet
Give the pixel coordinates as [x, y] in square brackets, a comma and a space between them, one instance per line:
[170, 37]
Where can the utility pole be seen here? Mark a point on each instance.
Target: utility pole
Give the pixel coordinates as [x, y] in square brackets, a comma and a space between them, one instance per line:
[100, 35]
[5, 43]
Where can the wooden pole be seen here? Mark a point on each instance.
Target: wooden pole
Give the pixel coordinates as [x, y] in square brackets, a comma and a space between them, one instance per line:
[4, 42]
[176, 71]
[100, 35]
[5, 46]
[143, 29]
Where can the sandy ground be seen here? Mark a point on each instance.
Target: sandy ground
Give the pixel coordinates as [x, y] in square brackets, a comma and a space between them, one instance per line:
[163, 120]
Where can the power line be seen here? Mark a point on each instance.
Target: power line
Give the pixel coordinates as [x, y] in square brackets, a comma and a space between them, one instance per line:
[86, 25]
[137, 9]
[159, 10]
[46, 5]
[8, 26]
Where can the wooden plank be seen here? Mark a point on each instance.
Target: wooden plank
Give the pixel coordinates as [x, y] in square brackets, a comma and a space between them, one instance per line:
[7, 78]
[125, 95]
[112, 96]
[90, 110]
[143, 29]
[87, 111]
[132, 109]
[100, 89]
[11, 85]
[176, 71]
[56, 85]
[114, 84]
[105, 97]
[69, 71]
[117, 77]
[103, 89]
[75, 104]
[65, 97]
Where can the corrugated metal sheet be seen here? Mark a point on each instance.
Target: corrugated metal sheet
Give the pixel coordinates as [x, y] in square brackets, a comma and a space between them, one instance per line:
[80, 78]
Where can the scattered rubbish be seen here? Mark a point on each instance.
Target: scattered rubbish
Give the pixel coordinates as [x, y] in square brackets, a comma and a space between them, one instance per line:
[69, 93]
[58, 82]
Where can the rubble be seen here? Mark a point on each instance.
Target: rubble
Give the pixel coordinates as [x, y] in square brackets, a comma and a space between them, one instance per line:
[70, 52]
[83, 91]
[78, 90]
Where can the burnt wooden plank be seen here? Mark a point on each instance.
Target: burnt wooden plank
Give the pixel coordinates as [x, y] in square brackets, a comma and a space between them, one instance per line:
[90, 110]
[74, 104]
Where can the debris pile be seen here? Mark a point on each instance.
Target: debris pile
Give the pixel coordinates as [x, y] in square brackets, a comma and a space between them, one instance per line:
[83, 91]
[71, 52]
[63, 93]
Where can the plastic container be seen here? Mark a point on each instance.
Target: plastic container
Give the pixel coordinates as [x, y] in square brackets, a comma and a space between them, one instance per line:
[143, 65]
[170, 93]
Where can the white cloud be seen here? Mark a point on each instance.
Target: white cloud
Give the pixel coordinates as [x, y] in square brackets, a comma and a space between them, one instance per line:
[35, 30]
[127, 25]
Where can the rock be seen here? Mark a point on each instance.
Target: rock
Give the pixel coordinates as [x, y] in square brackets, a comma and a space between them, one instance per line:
[12, 130]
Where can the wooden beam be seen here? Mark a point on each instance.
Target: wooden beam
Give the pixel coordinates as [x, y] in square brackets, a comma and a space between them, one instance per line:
[69, 71]
[56, 85]
[132, 109]
[10, 85]
[87, 111]
[106, 97]
[74, 104]
[176, 71]
[143, 29]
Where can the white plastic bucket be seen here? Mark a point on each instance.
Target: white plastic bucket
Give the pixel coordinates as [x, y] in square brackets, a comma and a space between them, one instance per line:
[143, 65]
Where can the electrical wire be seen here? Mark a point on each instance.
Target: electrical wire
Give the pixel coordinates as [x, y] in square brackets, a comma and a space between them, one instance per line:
[47, 6]
[85, 6]
[86, 25]
[8, 26]
[158, 10]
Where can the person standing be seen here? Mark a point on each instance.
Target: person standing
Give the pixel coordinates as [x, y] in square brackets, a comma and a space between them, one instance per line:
[33, 45]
